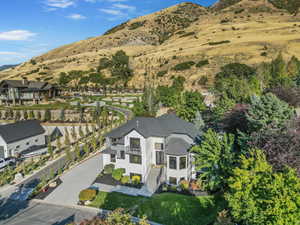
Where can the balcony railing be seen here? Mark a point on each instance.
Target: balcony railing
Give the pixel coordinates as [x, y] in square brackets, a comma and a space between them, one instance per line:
[133, 150]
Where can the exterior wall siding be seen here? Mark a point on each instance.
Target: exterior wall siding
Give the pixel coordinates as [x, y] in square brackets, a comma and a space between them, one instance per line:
[12, 149]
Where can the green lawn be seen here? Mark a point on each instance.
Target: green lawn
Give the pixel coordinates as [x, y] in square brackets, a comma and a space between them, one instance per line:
[166, 208]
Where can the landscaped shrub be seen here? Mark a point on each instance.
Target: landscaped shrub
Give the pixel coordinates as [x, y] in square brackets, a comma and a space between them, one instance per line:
[87, 195]
[184, 66]
[219, 42]
[118, 173]
[125, 180]
[184, 184]
[136, 180]
[202, 63]
[162, 73]
[108, 169]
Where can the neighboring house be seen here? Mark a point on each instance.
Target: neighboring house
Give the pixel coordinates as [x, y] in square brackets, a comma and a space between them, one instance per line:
[21, 91]
[20, 136]
[145, 144]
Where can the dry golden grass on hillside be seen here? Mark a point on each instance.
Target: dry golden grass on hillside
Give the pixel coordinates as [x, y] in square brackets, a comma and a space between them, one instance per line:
[254, 32]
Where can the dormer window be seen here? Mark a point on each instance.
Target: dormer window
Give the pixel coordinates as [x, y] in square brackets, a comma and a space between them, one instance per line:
[159, 146]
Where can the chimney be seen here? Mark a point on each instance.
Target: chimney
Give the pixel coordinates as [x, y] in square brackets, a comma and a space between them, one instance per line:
[24, 81]
[137, 124]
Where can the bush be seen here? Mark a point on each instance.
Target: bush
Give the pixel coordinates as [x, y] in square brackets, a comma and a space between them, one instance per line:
[118, 173]
[136, 25]
[162, 73]
[125, 180]
[219, 42]
[136, 180]
[108, 169]
[184, 66]
[202, 63]
[87, 195]
[184, 184]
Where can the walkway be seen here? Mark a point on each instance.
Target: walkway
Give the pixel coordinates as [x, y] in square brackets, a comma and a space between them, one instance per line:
[75, 180]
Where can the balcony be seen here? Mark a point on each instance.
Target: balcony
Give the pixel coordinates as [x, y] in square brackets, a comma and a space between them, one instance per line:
[133, 150]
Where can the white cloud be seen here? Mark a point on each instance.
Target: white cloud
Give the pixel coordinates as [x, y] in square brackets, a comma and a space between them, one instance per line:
[59, 3]
[11, 54]
[16, 35]
[114, 12]
[76, 17]
[123, 6]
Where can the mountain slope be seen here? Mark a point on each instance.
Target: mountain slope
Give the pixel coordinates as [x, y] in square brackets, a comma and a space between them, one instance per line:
[248, 31]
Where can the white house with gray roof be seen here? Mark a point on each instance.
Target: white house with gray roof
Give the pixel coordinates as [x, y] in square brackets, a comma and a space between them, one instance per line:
[144, 144]
[17, 137]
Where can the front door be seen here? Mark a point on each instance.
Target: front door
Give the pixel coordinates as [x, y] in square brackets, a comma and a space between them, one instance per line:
[159, 157]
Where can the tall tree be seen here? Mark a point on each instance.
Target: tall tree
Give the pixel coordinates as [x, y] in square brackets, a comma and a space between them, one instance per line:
[268, 110]
[259, 196]
[215, 157]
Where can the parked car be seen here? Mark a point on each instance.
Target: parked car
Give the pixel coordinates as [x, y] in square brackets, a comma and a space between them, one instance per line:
[7, 161]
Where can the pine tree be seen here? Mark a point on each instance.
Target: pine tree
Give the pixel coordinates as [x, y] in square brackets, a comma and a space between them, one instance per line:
[25, 115]
[81, 134]
[39, 115]
[77, 151]
[50, 148]
[31, 115]
[87, 129]
[58, 143]
[67, 137]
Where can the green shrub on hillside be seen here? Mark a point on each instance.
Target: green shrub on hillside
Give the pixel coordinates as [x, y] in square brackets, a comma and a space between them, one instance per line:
[202, 63]
[219, 42]
[136, 25]
[162, 73]
[184, 66]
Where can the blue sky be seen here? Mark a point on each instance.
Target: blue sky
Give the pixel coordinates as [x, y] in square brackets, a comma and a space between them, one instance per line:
[31, 27]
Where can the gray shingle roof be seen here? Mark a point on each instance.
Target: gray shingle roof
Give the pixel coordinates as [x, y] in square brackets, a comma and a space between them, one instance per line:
[20, 130]
[28, 84]
[156, 127]
[177, 146]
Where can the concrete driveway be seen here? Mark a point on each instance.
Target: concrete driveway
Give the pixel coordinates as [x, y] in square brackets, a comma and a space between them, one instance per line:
[75, 180]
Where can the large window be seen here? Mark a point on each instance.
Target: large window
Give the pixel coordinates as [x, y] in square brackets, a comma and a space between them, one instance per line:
[112, 158]
[122, 154]
[173, 180]
[159, 146]
[135, 159]
[135, 143]
[182, 164]
[172, 162]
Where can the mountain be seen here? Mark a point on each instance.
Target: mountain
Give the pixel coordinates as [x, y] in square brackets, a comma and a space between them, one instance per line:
[5, 67]
[184, 40]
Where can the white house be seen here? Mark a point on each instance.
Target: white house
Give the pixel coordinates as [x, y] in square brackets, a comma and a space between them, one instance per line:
[145, 144]
[20, 136]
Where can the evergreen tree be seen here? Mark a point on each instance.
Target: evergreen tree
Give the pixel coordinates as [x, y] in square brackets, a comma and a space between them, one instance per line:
[58, 143]
[81, 134]
[47, 115]
[77, 151]
[62, 116]
[17, 115]
[215, 156]
[268, 110]
[31, 115]
[87, 129]
[199, 122]
[25, 115]
[39, 115]
[50, 148]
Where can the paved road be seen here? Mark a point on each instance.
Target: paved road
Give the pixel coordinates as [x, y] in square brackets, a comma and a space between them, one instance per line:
[36, 213]
[75, 180]
[128, 114]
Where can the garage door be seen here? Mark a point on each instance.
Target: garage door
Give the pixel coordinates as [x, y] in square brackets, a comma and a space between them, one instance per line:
[2, 152]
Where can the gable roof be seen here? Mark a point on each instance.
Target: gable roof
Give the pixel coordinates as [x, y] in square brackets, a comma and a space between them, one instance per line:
[20, 130]
[177, 146]
[156, 127]
[29, 84]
